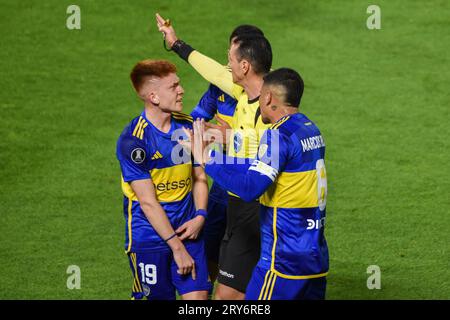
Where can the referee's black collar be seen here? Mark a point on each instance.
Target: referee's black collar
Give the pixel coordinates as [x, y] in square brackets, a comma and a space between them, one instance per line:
[253, 100]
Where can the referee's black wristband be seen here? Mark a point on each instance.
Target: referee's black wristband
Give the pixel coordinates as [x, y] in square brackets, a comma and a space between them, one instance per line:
[171, 237]
[182, 49]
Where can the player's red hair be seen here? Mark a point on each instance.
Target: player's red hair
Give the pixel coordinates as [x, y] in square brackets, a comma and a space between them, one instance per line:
[150, 68]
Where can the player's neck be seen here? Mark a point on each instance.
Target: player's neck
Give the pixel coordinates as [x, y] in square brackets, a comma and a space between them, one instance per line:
[284, 111]
[252, 86]
[159, 119]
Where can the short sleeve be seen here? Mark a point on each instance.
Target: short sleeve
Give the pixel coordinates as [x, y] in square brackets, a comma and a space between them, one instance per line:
[133, 157]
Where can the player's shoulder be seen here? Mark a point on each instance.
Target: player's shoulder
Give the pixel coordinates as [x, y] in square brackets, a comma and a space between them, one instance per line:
[136, 128]
[182, 119]
[132, 138]
[295, 124]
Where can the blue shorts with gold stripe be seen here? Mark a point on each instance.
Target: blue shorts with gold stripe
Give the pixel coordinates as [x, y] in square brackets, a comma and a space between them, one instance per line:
[266, 285]
[155, 274]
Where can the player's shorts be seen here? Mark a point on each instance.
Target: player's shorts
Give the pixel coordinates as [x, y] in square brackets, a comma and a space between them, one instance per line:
[155, 273]
[266, 285]
[214, 229]
[241, 245]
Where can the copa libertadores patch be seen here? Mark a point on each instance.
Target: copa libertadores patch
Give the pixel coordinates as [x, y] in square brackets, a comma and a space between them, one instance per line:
[138, 155]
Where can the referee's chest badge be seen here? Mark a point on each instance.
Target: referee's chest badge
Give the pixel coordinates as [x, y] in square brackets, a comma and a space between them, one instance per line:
[138, 155]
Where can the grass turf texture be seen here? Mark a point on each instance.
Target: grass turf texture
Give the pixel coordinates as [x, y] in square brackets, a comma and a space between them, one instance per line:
[380, 98]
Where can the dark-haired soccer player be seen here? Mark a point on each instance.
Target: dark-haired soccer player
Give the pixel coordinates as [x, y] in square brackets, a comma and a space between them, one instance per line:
[165, 197]
[215, 102]
[249, 59]
[290, 177]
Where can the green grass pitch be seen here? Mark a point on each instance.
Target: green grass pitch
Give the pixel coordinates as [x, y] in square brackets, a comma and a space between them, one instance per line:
[380, 97]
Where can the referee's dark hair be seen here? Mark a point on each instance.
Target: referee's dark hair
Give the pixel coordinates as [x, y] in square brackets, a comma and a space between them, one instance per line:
[245, 29]
[257, 50]
[290, 82]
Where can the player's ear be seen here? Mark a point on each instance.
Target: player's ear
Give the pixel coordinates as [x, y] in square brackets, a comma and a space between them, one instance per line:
[245, 66]
[154, 99]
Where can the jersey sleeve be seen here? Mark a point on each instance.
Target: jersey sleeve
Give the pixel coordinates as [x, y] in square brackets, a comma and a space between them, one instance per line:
[133, 156]
[207, 106]
[251, 183]
[214, 73]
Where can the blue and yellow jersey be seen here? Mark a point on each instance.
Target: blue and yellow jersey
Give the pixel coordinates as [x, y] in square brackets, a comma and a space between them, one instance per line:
[289, 174]
[145, 152]
[293, 208]
[215, 101]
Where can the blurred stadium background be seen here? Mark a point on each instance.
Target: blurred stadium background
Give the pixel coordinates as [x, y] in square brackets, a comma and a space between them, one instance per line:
[380, 97]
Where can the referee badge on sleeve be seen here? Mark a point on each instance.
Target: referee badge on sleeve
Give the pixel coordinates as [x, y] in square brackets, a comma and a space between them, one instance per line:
[138, 155]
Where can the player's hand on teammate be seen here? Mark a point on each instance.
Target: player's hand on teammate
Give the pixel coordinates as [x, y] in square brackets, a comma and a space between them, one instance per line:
[167, 29]
[191, 229]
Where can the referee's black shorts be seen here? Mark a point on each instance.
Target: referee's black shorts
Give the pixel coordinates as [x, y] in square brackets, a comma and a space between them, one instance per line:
[241, 245]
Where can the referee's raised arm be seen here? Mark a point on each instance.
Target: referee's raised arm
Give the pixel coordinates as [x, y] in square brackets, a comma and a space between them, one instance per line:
[208, 68]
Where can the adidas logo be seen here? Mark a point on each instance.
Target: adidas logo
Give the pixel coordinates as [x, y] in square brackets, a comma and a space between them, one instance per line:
[157, 156]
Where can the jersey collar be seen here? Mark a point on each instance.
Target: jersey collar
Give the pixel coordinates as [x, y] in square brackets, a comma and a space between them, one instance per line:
[169, 133]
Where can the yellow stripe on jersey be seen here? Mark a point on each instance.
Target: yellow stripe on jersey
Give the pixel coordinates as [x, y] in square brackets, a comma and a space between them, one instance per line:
[130, 216]
[269, 284]
[312, 276]
[138, 125]
[293, 190]
[139, 129]
[140, 135]
[277, 124]
[275, 238]
[182, 116]
[271, 289]
[264, 285]
[136, 275]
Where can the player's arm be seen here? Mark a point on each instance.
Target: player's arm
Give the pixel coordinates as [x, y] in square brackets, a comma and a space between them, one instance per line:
[208, 68]
[250, 181]
[248, 185]
[145, 192]
[191, 229]
[206, 108]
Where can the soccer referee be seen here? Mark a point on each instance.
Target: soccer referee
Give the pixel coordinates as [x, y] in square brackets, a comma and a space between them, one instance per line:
[250, 58]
